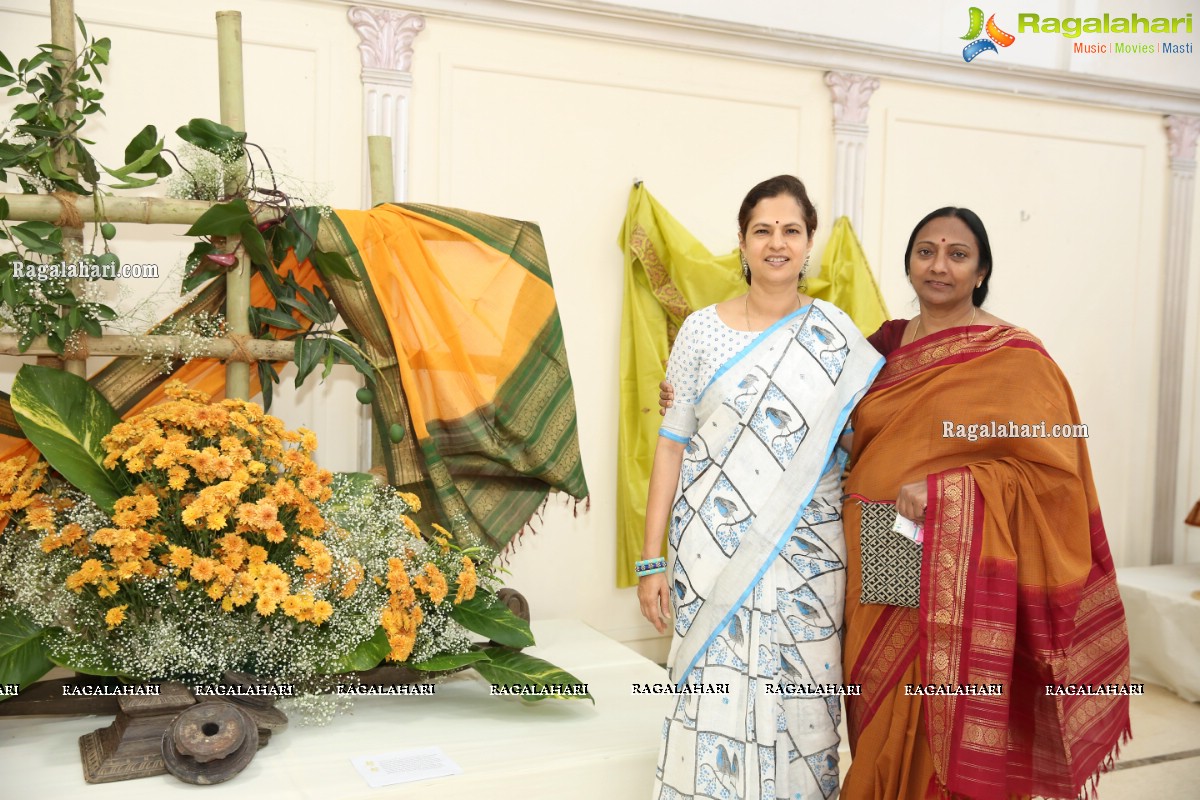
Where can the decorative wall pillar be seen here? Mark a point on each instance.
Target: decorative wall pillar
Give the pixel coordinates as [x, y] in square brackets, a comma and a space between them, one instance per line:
[386, 50]
[851, 98]
[1182, 133]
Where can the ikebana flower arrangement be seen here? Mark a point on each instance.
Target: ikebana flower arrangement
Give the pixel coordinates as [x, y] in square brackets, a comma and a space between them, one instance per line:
[196, 538]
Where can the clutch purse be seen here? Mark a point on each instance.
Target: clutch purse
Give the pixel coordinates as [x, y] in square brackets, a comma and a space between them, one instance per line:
[891, 562]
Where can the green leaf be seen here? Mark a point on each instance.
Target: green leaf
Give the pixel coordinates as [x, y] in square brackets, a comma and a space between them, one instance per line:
[23, 656]
[307, 222]
[5, 64]
[211, 136]
[225, 219]
[275, 317]
[332, 265]
[65, 418]
[487, 616]
[35, 242]
[98, 666]
[265, 384]
[252, 240]
[368, 655]
[308, 356]
[135, 183]
[146, 143]
[508, 667]
[448, 661]
[351, 355]
[194, 277]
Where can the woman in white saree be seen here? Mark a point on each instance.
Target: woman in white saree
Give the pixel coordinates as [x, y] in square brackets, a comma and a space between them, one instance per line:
[746, 473]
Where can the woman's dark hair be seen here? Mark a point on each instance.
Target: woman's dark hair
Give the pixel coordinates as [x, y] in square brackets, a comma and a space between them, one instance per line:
[774, 187]
[975, 224]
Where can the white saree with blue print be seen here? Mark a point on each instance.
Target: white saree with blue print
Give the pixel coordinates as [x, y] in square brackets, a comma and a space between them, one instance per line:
[757, 565]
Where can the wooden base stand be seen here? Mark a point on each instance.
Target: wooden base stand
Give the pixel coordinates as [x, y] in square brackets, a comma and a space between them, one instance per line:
[131, 747]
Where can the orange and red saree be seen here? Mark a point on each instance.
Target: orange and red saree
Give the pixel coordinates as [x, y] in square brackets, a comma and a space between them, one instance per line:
[1012, 677]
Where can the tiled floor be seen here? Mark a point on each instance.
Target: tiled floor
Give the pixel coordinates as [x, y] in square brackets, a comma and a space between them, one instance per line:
[1160, 762]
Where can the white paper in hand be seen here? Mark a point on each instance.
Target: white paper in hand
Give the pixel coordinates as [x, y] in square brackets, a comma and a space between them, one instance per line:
[907, 528]
[403, 766]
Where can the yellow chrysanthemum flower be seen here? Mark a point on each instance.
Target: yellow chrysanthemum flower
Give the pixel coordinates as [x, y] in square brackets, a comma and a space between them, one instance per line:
[115, 616]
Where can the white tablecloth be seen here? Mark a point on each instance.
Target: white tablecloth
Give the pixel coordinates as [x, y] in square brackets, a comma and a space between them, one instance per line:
[507, 748]
[1164, 625]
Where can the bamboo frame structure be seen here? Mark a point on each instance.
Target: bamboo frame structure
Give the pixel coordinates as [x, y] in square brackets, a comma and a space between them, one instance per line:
[237, 348]
[379, 155]
[163, 345]
[62, 34]
[233, 114]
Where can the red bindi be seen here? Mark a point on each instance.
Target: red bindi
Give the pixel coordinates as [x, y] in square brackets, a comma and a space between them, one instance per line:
[943, 240]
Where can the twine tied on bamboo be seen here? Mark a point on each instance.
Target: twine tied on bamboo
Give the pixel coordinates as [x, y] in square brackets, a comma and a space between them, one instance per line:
[240, 351]
[69, 216]
[75, 348]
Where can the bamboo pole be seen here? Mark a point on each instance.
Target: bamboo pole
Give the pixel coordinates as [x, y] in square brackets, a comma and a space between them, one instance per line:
[383, 182]
[233, 114]
[144, 210]
[159, 345]
[62, 34]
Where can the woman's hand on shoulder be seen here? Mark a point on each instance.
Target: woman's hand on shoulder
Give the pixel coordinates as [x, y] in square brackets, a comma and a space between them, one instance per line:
[666, 397]
[655, 599]
[912, 499]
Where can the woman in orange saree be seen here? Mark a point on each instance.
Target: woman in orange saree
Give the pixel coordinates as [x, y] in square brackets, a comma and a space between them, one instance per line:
[1011, 678]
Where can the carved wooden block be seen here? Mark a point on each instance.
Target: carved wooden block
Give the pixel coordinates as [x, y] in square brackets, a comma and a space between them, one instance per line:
[131, 747]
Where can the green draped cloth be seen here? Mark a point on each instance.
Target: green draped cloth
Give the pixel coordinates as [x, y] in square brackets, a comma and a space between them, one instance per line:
[668, 275]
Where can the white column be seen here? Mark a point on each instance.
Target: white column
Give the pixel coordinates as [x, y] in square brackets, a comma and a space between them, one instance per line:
[386, 50]
[851, 98]
[1170, 473]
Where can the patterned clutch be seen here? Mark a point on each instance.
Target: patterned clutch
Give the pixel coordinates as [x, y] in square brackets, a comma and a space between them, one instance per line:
[891, 563]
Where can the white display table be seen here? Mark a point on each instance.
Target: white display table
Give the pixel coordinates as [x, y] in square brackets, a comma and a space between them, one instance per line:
[1164, 625]
[506, 748]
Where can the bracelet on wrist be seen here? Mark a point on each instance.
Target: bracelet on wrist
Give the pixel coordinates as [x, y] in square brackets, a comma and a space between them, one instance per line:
[649, 566]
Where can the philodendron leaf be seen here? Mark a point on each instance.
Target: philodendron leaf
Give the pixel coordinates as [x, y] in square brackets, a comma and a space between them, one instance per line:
[65, 419]
[23, 656]
[485, 615]
[368, 655]
[449, 661]
[505, 667]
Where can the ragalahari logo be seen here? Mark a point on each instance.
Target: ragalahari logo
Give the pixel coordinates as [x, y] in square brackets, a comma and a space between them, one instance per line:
[995, 36]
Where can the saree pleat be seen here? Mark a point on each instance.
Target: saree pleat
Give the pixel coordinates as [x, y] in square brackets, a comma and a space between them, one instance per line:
[1018, 588]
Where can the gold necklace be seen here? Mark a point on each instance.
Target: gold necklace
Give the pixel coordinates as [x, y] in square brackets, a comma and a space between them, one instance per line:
[750, 327]
[920, 319]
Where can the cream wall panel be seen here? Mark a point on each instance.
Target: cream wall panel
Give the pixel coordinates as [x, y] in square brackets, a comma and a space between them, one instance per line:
[1073, 200]
[554, 129]
[302, 107]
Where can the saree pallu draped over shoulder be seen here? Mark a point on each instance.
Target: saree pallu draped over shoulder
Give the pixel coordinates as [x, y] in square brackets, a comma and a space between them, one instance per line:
[767, 426]
[1012, 677]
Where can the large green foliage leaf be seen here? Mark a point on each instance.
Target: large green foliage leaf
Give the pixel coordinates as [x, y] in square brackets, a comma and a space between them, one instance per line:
[65, 419]
[448, 661]
[23, 656]
[100, 666]
[368, 655]
[508, 667]
[485, 615]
